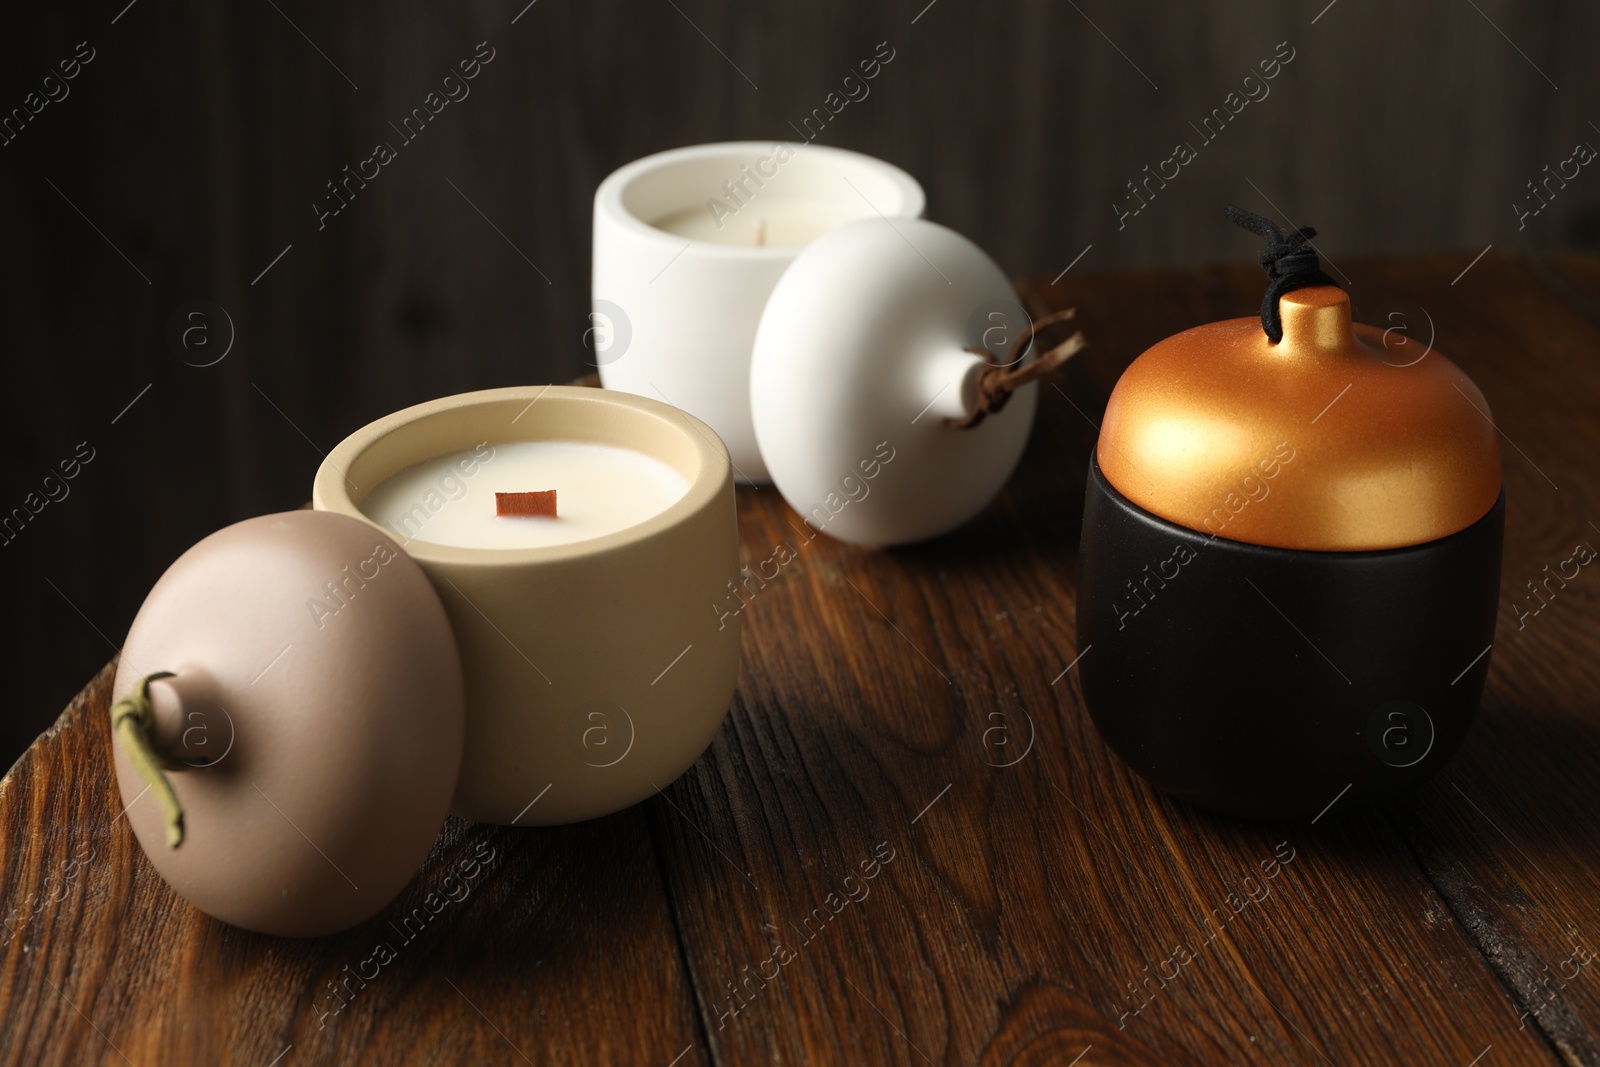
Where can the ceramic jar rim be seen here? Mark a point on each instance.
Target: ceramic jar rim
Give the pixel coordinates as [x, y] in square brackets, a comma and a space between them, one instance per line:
[611, 197]
[331, 490]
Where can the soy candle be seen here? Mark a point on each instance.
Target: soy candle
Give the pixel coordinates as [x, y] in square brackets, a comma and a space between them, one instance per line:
[785, 223]
[595, 664]
[688, 245]
[450, 500]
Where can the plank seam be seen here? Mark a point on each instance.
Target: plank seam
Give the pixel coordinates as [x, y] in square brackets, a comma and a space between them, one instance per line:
[1475, 929]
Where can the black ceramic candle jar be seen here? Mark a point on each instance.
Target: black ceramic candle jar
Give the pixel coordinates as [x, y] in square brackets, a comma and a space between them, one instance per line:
[1290, 562]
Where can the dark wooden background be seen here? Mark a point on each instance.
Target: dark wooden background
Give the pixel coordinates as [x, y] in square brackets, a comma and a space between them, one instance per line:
[190, 150]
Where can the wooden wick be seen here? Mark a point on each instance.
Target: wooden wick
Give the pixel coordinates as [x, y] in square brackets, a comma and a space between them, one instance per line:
[997, 383]
[524, 505]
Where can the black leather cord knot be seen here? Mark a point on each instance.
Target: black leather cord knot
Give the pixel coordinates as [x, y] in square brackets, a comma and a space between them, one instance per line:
[1288, 260]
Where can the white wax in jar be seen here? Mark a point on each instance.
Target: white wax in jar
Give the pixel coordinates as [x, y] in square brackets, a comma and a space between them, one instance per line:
[450, 500]
[778, 222]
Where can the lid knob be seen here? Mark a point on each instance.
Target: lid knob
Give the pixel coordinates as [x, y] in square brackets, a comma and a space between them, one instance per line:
[1315, 319]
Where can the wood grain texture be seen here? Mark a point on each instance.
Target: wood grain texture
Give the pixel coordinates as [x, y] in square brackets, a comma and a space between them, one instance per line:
[1509, 833]
[543, 946]
[909, 845]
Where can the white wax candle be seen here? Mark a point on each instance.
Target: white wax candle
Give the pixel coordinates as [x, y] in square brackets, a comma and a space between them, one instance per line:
[677, 298]
[783, 223]
[449, 500]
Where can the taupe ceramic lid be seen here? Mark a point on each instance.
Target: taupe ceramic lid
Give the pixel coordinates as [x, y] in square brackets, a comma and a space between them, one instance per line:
[1338, 437]
[310, 730]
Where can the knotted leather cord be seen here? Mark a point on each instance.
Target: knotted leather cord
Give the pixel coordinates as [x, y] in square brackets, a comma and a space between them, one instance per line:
[996, 383]
[1288, 260]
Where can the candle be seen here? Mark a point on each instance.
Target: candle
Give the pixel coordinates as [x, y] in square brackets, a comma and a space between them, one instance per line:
[781, 223]
[596, 669]
[450, 500]
[687, 247]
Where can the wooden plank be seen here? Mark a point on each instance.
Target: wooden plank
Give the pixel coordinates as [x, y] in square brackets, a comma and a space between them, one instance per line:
[545, 945]
[1027, 908]
[1509, 833]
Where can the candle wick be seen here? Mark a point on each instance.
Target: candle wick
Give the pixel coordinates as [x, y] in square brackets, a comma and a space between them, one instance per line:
[541, 504]
[761, 232]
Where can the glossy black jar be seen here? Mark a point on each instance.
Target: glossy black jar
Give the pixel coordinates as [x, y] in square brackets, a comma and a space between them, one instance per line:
[1290, 563]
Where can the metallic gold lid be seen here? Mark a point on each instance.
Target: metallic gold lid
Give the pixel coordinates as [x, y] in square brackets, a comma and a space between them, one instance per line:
[1337, 438]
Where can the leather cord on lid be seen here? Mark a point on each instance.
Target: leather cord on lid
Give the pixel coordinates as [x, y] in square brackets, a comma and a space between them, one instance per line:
[132, 724]
[997, 383]
[1288, 261]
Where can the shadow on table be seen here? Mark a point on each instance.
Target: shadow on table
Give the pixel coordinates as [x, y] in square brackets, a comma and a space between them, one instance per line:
[558, 917]
[1524, 778]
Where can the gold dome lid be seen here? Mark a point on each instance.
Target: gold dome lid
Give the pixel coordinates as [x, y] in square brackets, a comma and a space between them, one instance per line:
[1336, 438]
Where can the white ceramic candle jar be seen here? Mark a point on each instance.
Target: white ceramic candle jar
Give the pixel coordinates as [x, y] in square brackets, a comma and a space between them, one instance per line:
[596, 668]
[688, 245]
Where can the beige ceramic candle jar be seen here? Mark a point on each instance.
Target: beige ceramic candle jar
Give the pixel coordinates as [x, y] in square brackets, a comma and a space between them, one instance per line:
[597, 671]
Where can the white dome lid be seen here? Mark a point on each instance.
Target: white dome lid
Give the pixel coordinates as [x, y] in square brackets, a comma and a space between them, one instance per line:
[859, 368]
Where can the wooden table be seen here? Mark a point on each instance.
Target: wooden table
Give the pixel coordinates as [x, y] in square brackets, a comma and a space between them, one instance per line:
[909, 845]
